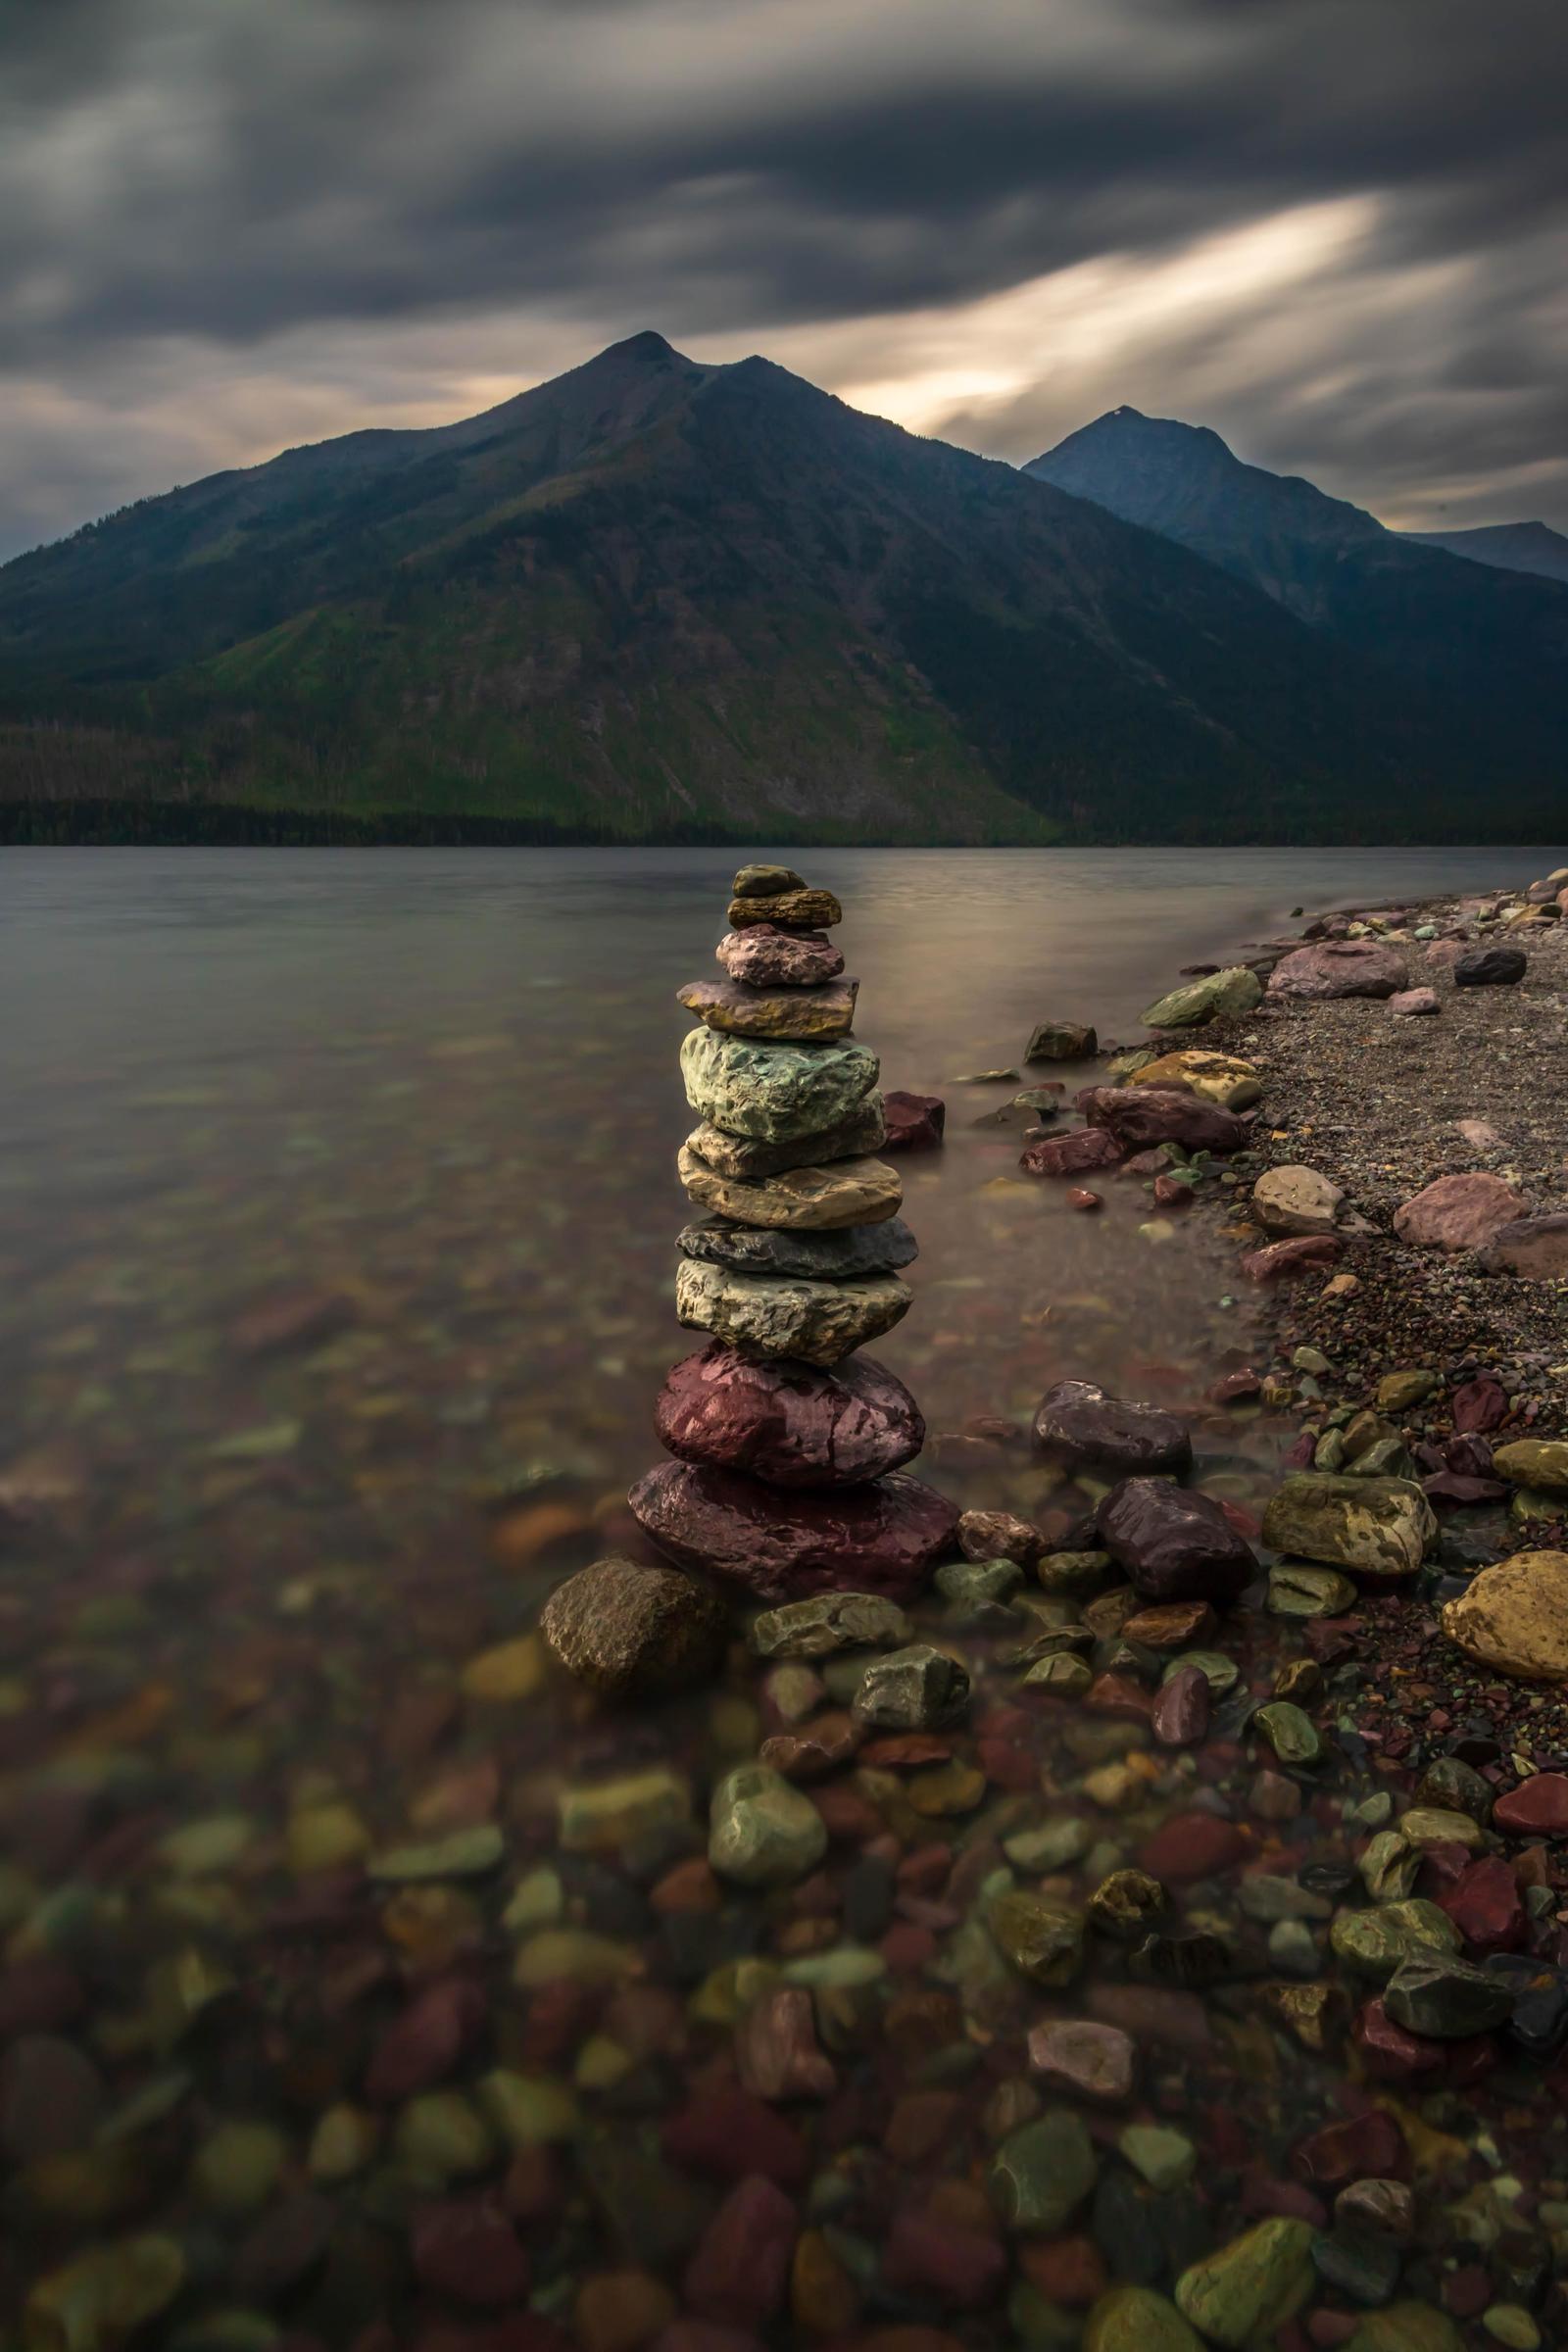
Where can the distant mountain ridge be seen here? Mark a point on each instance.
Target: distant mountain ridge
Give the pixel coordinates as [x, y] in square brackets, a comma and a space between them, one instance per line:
[1509, 546]
[1486, 645]
[655, 600]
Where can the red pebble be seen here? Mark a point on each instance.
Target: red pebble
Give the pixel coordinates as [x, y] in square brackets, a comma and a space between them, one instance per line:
[741, 2266]
[1266, 2198]
[1536, 1808]
[1080, 1197]
[1369, 2145]
[959, 2267]
[908, 1949]
[1467, 2291]
[1485, 1906]
[728, 2133]
[423, 2046]
[1192, 1846]
[1387, 2052]
[776, 2049]
[466, 2248]
[1117, 1695]
[1479, 1405]
[1065, 2269]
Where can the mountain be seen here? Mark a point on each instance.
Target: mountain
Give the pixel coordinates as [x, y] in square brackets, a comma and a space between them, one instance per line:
[1508, 546]
[1487, 647]
[659, 600]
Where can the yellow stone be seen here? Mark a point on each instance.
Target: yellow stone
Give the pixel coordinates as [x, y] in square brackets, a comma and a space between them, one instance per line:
[559, 1954]
[511, 1670]
[1513, 1618]
[1222, 1078]
[601, 1817]
[529, 2111]
[343, 2143]
[325, 1837]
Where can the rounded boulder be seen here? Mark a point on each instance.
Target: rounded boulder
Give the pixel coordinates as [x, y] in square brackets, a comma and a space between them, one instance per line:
[790, 1424]
[632, 1630]
[1078, 1425]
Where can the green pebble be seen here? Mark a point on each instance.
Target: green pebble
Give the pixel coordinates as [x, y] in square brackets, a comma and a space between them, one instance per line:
[1373, 1943]
[1291, 1735]
[1222, 1674]
[1040, 2175]
[236, 2168]
[1051, 1847]
[1244, 2293]
[441, 2135]
[1134, 2319]
[466, 1854]
[765, 1832]
[1166, 2159]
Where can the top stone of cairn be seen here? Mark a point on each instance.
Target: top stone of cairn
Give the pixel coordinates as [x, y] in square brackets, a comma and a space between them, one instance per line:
[766, 881]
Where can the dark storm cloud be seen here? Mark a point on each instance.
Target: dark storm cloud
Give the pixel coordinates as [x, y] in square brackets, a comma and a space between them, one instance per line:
[262, 192]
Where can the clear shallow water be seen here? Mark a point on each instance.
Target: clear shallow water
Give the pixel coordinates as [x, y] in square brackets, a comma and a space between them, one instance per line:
[243, 1592]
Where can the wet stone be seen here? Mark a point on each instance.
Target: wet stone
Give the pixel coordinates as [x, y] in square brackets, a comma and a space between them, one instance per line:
[775, 1092]
[1042, 1938]
[630, 1630]
[1094, 2062]
[1360, 2264]
[1374, 1943]
[977, 1591]
[1291, 1735]
[1376, 1527]
[1297, 1588]
[821, 1322]
[1000, 1536]
[843, 1256]
[1040, 2175]
[1165, 2158]
[1172, 1544]
[811, 1198]
[789, 1424]
[743, 1009]
[1444, 1998]
[764, 1833]
[762, 955]
[918, 1689]
[1180, 1715]
[1124, 1905]
[885, 1537]
[1249, 2290]
[1133, 2318]
[829, 1622]
[1077, 1425]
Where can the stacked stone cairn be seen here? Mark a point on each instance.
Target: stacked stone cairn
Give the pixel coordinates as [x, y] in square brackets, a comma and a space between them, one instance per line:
[789, 1448]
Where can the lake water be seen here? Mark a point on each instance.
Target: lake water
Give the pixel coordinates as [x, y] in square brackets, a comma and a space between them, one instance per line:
[243, 1589]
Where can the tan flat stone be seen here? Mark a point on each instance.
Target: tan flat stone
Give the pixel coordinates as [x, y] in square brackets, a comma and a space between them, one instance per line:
[848, 1191]
[1295, 1200]
[800, 1014]
[1534, 1462]
[1513, 1618]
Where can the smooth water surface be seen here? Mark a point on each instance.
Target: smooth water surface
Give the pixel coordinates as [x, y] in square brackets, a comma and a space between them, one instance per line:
[244, 1587]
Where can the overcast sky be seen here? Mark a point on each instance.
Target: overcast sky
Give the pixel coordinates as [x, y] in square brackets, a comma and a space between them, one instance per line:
[1334, 229]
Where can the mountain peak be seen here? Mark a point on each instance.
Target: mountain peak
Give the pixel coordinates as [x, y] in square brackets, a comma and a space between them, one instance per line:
[646, 345]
